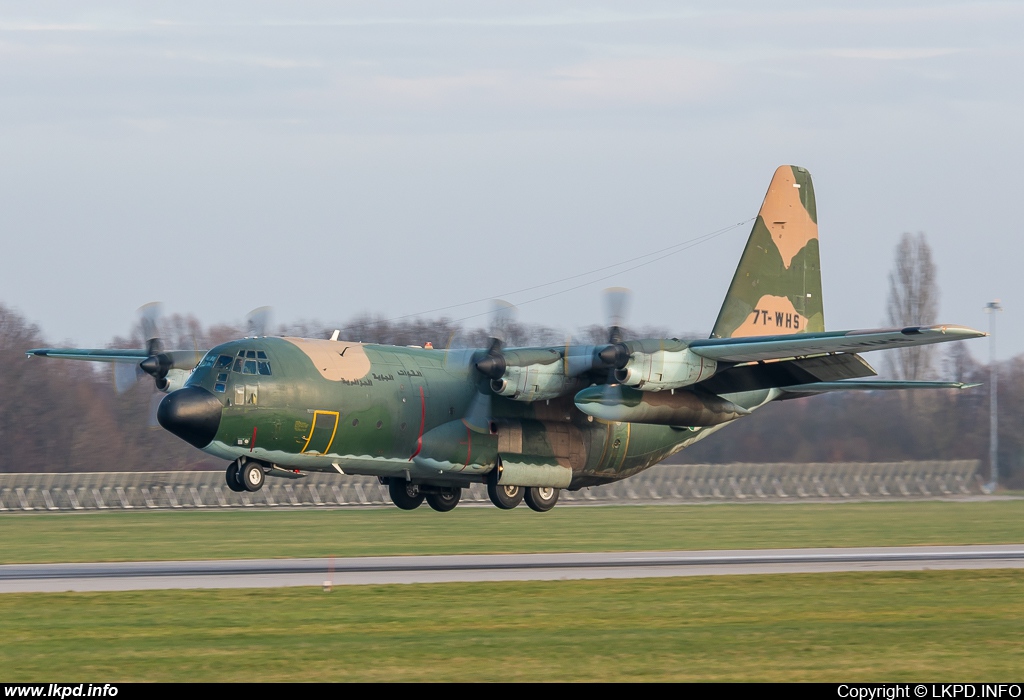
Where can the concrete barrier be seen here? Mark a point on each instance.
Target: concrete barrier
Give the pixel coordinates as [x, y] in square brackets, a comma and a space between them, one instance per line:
[843, 481]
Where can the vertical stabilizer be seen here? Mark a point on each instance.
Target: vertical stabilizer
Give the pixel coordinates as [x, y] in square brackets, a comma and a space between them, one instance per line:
[777, 287]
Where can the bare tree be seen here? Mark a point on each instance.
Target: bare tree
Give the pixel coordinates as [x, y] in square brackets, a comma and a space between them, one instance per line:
[913, 301]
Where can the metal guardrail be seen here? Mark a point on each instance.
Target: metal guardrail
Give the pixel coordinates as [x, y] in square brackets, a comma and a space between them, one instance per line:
[671, 483]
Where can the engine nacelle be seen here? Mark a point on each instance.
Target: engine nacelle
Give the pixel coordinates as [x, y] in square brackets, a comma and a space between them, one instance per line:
[174, 380]
[665, 369]
[534, 382]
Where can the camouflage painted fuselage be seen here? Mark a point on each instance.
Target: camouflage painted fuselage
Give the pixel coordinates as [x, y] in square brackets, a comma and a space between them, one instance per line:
[396, 411]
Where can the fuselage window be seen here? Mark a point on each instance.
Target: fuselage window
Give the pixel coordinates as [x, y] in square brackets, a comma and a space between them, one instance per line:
[251, 354]
[238, 365]
[219, 387]
[222, 377]
[250, 367]
[207, 361]
[223, 362]
[264, 367]
[260, 355]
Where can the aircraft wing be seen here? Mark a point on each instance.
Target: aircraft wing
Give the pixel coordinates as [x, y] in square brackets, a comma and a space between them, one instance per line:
[779, 347]
[179, 358]
[874, 385]
[98, 355]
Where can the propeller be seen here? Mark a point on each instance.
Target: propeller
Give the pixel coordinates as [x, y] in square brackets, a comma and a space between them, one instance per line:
[257, 322]
[612, 356]
[158, 361]
[492, 366]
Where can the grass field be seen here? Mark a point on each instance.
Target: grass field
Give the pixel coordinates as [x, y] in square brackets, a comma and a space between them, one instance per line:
[208, 534]
[894, 626]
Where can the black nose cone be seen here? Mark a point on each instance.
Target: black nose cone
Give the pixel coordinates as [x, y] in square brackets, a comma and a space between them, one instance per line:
[192, 413]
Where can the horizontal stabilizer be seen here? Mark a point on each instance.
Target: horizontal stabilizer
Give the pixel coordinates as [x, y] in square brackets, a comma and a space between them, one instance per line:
[875, 385]
[778, 347]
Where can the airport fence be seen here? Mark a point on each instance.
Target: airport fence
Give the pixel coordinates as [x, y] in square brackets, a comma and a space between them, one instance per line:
[663, 483]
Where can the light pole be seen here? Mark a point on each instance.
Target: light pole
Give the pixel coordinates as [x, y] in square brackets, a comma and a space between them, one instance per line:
[993, 431]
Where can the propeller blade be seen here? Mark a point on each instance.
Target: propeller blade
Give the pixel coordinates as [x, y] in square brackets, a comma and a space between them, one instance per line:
[478, 416]
[579, 360]
[126, 374]
[616, 300]
[154, 404]
[503, 315]
[257, 322]
[149, 317]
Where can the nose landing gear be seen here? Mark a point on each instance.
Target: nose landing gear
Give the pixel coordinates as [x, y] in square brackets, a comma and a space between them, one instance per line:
[245, 475]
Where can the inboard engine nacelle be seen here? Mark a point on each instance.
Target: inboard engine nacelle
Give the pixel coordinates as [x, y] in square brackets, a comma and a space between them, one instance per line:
[533, 376]
[658, 368]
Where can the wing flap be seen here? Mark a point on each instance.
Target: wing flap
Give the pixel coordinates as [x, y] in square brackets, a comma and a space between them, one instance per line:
[788, 372]
[779, 347]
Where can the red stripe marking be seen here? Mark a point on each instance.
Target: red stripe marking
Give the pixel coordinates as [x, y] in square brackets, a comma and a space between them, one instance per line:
[423, 422]
[252, 443]
[469, 445]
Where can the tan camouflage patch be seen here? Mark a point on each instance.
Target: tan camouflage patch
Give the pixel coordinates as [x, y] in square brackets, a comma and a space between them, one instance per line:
[335, 360]
[785, 216]
[771, 316]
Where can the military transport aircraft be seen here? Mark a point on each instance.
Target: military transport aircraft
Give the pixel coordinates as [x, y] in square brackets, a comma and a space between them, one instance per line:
[527, 422]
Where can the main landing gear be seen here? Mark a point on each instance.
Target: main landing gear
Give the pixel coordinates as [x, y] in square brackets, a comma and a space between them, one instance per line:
[245, 475]
[409, 496]
[505, 497]
[540, 499]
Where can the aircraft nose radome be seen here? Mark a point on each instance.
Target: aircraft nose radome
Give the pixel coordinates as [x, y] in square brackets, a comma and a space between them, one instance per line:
[192, 413]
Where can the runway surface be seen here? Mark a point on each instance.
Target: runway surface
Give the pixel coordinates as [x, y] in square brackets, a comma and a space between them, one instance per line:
[271, 573]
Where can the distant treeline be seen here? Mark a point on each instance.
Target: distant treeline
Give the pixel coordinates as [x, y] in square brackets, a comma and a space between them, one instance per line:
[60, 415]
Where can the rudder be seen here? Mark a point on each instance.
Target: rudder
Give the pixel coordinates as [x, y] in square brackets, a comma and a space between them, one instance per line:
[777, 286]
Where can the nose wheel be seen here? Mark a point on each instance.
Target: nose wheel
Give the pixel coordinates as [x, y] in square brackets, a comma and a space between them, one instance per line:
[245, 476]
[231, 476]
[251, 475]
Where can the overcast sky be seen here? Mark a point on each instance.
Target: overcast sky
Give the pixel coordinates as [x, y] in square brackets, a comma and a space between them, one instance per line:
[330, 159]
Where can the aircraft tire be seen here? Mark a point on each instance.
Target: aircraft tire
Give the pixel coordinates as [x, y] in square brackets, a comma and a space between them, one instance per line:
[231, 476]
[505, 497]
[404, 494]
[251, 475]
[444, 501]
[541, 499]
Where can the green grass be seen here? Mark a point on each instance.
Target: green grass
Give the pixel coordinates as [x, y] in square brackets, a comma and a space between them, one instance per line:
[893, 626]
[121, 536]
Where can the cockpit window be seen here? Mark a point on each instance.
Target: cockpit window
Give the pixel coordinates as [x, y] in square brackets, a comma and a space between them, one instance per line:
[207, 361]
[247, 362]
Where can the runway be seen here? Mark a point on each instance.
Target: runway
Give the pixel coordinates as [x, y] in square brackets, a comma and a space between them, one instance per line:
[272, 573]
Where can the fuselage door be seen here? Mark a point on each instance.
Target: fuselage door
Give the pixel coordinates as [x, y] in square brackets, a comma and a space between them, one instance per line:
[321, 432]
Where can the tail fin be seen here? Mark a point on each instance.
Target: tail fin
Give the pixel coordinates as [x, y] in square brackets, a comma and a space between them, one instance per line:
[777, 287]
